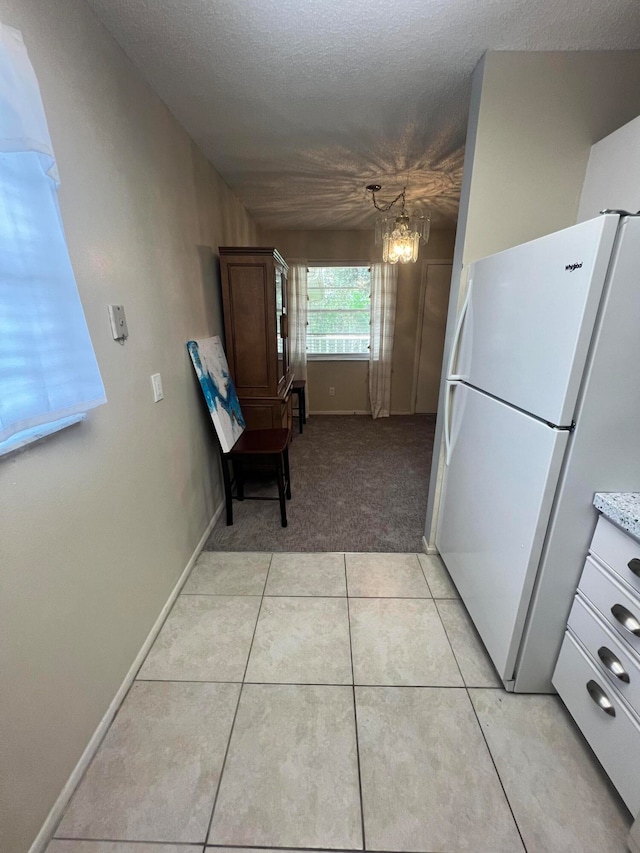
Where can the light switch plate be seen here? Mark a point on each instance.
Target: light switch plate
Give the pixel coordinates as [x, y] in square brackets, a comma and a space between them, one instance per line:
[156, 384]
[118, 322]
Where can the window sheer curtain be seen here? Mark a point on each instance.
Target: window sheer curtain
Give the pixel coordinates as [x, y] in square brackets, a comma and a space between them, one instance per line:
[384, 286]
[48, 372]
[297, 314]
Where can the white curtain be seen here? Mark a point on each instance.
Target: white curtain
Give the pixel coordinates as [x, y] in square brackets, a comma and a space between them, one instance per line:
[384, 285]
[297, 313]
[48, 370]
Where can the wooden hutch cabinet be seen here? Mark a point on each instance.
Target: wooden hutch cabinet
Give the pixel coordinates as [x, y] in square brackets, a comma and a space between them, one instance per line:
[254, 302]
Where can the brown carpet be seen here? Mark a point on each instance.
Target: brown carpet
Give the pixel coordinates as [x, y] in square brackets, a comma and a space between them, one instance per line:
[357, 484]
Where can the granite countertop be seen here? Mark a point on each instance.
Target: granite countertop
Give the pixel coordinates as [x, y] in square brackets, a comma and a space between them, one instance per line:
[623, 508]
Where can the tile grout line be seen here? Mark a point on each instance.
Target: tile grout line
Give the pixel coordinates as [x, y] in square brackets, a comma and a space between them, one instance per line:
[213, 847]
[320, 684]
[267, 595]
[284, 849]
[424, 575]
[464, 680]
[310, 595]
[220, 595]
[355, 710]
[306, 849]
[495, 766]
[233, 723]
[137, 841]
[486, 743]
[453, 652]
[127, 841]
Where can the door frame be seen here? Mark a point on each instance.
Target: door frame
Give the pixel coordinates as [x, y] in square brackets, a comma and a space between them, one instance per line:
[420, 322]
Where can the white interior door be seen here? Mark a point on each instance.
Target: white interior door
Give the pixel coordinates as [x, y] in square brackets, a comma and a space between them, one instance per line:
[431, 337]
[498, 490]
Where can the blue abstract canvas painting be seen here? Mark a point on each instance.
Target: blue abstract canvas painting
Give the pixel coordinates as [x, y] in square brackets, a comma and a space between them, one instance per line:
[212, 370]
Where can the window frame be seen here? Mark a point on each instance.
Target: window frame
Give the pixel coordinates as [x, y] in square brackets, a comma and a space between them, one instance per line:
[349, 356]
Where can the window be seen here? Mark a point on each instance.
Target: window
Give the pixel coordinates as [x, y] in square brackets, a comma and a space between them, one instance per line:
[339, 312]
[49, 377]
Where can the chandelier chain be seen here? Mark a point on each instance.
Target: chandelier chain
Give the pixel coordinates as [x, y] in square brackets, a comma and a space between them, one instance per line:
[391, 203]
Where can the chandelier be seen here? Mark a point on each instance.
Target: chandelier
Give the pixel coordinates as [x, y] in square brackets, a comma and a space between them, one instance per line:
[401, 233]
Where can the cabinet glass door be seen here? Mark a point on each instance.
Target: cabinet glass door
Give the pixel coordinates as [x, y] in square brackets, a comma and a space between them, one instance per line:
[281, 324]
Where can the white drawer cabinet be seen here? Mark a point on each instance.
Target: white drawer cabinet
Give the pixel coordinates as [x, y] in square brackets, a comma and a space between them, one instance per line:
[616, 660]
[598, 670]
[618, 550]
[611, 729]
[614, 600]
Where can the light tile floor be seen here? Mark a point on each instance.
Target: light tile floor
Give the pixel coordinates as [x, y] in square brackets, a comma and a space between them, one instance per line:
[334, 702]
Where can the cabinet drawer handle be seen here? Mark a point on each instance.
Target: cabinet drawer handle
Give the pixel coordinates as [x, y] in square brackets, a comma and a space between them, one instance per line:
[613, 664]
[626, 619]
[634, 566]
[284, 326]
[600, 698]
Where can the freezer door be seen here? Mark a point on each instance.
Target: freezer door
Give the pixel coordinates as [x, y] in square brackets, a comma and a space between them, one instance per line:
[530, 317]
[498, 490]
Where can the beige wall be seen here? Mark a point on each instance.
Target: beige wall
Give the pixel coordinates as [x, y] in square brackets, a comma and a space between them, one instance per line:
[350, 379]
[612, 179]
[98, 522]
[540, 113]
[533, 119]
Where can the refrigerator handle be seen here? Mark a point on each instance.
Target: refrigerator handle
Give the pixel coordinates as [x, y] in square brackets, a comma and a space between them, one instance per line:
[447, 416]
[458, 331]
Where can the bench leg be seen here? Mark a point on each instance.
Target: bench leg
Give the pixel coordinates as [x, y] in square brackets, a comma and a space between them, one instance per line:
[227, 489]
[287, 473]
[239, 472]
[301, 418]
[281, 488]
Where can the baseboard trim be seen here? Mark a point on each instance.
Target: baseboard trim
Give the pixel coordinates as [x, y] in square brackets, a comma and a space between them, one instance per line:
[428, 549]
[341, 412]
[43, 838]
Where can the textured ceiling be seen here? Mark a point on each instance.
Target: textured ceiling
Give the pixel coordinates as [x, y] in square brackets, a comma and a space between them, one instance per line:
[301, 103]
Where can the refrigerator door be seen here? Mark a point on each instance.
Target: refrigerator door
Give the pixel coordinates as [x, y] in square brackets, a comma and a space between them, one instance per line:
[498, 491]
[530, 317]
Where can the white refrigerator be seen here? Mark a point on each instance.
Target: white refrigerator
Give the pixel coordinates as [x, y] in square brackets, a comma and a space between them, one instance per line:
[542, 410]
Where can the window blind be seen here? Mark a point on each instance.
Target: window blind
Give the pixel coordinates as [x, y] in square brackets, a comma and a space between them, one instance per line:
[48, 370]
